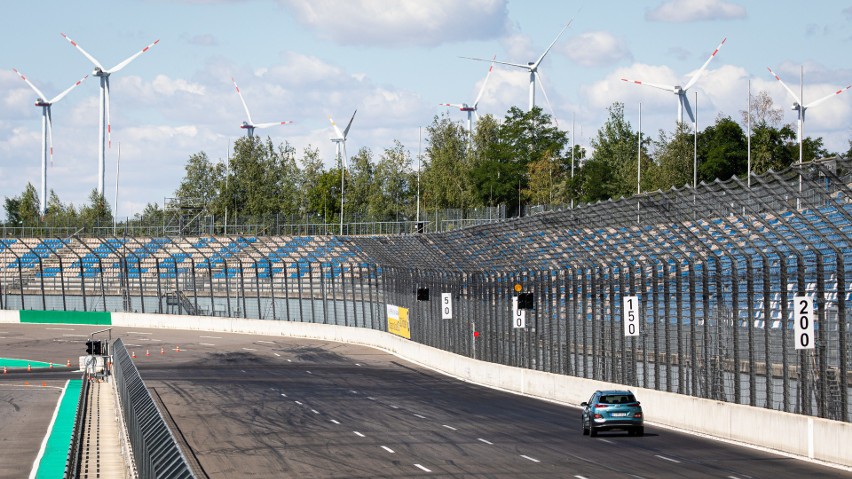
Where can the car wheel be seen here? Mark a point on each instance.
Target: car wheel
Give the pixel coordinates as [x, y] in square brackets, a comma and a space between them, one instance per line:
[592, 431]
[585, 429]
[640, 431]
[631, 432]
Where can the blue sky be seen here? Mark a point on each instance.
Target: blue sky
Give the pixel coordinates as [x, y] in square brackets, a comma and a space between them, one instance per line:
[394, 61]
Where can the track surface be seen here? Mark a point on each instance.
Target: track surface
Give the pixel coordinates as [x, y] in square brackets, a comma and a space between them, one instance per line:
[251, 406]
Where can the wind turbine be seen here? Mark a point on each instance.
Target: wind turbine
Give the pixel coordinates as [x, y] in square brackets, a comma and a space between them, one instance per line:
[104, 127]
[249, 125]
[340, 142]
[531, 67]
[471, 109]
[683, 101]
[46, 131]
[801, 109]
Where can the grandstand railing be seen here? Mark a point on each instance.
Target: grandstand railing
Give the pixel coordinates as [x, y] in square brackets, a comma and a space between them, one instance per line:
[715, 270]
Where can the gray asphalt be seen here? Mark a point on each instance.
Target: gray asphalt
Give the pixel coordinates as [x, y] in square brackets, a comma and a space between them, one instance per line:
[251, 406]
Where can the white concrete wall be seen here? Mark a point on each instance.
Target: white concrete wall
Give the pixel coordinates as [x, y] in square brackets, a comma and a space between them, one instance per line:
[803, 436]
[9, 316]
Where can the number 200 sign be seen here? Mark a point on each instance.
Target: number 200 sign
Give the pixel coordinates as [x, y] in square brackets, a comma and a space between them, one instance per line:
[631, 315]
[804, 322]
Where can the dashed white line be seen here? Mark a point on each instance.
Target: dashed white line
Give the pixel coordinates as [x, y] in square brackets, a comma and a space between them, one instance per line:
[206, 344]
[530, 458]
[394, 406]
[208, 337]
[265, 342]
[606, 441]
[421, 417]
[86, 336]
[315, 411]
[308, 372]
[581, 477]
[353, 391]
[249, 349]
[449, 427]
[667, 459]
[299, 403]
[335, 421]
[277, 354]
[138, 332]
[157, 340]
[422, 468]
[371, 398]
[357, 364]
[243, 370]
[289, 360]
[486, 442]
[67, 329]
[283, 394]
[388, 449]
[358, 434]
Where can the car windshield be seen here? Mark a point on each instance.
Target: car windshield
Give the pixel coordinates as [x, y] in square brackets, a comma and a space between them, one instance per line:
[617, 399]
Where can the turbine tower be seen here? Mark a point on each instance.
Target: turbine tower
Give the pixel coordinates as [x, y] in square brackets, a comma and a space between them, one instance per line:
[801, 109]
[46, 132]
[104, 128]
[471, 109]
[531, 67]
[340, 143]
[249, 125]
[683, 101]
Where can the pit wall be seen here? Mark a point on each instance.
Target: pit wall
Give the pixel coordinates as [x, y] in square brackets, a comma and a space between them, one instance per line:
[803, 436]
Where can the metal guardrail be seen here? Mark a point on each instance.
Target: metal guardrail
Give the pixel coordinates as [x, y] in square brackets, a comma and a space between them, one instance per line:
[155, 450]
[72, 463]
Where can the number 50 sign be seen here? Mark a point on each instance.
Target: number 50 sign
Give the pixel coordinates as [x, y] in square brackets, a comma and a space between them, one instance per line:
[804, 322]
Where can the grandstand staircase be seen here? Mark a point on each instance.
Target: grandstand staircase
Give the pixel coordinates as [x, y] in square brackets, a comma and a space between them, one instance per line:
[184, 216]
[181, 300]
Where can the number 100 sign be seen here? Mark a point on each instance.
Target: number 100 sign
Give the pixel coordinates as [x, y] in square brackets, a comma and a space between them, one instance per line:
[631, 315]
[803, 327]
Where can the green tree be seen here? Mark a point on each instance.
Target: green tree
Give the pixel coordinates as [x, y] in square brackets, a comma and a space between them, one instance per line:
[445, 177]
[674, 159]
[391, 198]
[201, 179]
[13, 211]
[309, 178]
[324, 196]
[151, 215]
[721, 150]
[28, 211]
[361, 183]
[97, 212]
[615, 151]
[770, 148]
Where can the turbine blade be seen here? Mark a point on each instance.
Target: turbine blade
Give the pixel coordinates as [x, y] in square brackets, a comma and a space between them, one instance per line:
[482, 90]
[655, 85]
[817, 102]
[274, 123]
[703, 67]
[248, 115]
[84, 52]
[345, 157]
[537, 62]
[455, 105]
[62, 95]
[541, 84]
[38, 92]
[131, 58]
[336, 129]
[525, 67]
[348, 125]
[687, 107]
[50, 133]
[796, 97]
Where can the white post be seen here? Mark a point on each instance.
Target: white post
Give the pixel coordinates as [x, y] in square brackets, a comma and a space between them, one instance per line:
[748, 136]
[419, 143]
[695, 148]
[639, 155]
[115, 198]
[573, 142]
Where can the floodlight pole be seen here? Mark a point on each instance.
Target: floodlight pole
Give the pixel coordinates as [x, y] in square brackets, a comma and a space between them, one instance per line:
[115, 198]
[419, 144]
[573, 142]
[748, 136]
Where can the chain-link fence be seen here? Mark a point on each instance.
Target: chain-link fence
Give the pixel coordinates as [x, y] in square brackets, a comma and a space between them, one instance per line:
[715, 271]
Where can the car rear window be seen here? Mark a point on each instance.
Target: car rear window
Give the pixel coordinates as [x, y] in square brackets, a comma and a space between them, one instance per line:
[618, 399]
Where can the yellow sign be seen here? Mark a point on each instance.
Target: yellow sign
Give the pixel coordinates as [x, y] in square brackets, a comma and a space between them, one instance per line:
[398, 321]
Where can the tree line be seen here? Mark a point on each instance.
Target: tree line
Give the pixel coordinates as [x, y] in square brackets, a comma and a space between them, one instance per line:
[521, 159]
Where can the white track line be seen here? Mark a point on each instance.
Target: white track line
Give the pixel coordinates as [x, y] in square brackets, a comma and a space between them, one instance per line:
[314, 411]
[486, 442]
[65, 329]
[277, 354]
[422, 468]
[421, 417]
[449, 427]
[358, 434]
[335, 421]
[283, 394]
[249, 349]
[265, 342]
[299, 403]
[530, 458]
[140, 332]
[40, 454]
[388, 449]
[208, 337]
[667, 459]
[206, 344]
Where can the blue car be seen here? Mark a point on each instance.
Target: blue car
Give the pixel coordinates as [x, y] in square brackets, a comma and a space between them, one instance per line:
[608, 410]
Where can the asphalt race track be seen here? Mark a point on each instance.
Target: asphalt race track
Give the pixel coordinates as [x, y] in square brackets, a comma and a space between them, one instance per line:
[252, 406]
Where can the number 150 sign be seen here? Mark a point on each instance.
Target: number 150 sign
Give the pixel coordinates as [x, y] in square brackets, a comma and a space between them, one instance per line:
[631, 316]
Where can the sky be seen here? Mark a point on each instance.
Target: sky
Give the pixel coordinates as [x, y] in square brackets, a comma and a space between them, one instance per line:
[394, 61]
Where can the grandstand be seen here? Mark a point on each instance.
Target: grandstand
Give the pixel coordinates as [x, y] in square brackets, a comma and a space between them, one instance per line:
[715, 268]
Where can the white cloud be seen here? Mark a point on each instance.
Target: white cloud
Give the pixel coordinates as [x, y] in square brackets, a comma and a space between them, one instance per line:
[595, 49]
[679, 11]
[408, 22]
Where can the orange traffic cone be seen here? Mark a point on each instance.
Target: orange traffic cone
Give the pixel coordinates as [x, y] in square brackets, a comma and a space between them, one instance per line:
[178, 348]
[133, 354]
[147, 352]
[43, 384]
[29, 368]
[4, 369]
[51, 365]
[68, 363]
[162, 350]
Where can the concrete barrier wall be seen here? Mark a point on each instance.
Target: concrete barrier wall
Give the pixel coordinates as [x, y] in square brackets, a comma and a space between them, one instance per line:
[9, 316]
[803, 436]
